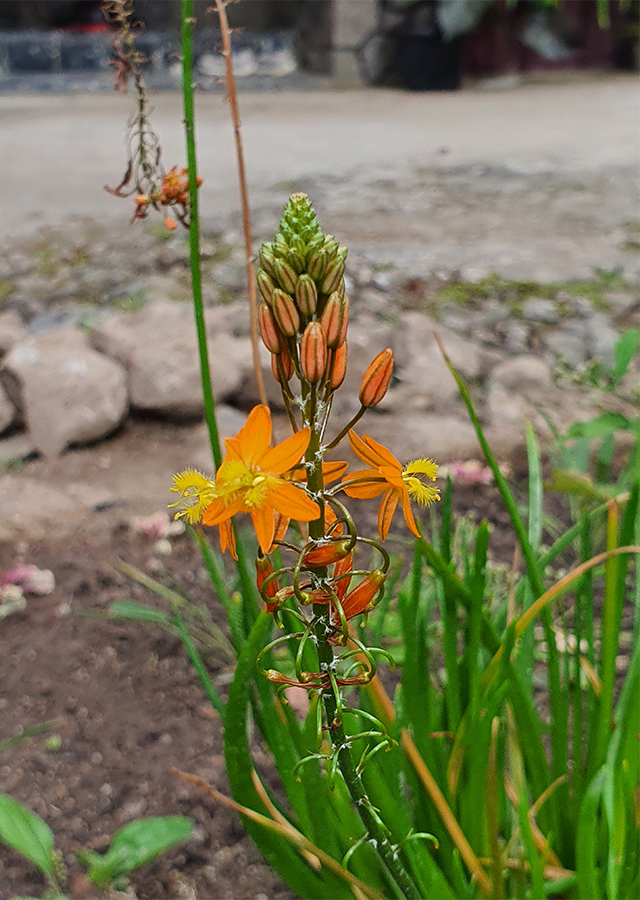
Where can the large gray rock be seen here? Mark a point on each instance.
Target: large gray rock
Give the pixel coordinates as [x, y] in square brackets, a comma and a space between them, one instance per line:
[66, 392]
[7, 410]
[526, 376]
[442, 438]
[12, 330]
[158, 347]
[419, 362]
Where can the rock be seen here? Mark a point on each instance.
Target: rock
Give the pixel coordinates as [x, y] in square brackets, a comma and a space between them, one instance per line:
[440, 437]
[32, 510]
[419, 361]
[568, 341]
[602, 338]
[17, 447]
[12, 330]
[7, 410]
[537, 309]
[523, 376]
[158, 347]
[507, 412]
[66, 392]
[620, 303]
[516, 337]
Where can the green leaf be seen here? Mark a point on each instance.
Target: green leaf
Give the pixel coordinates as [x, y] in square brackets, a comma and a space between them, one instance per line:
[135, 845]
[127, 609]
[600, 426]
[625, 350]
[579, 484]
[27, 833]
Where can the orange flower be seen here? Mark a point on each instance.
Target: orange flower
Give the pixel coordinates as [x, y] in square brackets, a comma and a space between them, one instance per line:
[386, 476]
[250, 479]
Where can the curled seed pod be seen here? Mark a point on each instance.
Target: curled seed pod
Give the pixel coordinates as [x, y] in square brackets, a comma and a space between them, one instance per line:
[335, 320]
[267, 260]
[332, 276]
[341, 576]
[375, 380]
[265, 285]
[283, 362]
[339, 366]
[285, 275]
[306, 295]
[285, 311]
[316, 264]
[269, 331]
[313, 353]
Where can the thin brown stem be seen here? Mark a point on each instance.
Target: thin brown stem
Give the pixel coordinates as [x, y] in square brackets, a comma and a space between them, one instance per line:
[244, 195]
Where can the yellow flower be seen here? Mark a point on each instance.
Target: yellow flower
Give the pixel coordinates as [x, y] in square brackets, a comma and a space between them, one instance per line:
[386, 476]
[198, 492]
[250, 479]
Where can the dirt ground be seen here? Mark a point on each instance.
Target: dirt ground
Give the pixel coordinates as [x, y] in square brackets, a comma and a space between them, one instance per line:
[127, 705]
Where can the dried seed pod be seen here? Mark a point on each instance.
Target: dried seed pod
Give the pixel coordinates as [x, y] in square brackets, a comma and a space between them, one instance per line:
[375, 380]
[271, 336]
[306, 295]
[282, 363]
[332, 277]
[285, 311]
[335, 320]
[265, 285]
[264, 568]
[285, 276]
[339, 366]
[313, 353]
[327, 554]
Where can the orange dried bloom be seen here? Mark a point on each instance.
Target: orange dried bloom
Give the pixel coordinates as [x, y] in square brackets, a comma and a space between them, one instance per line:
[375, 380]
[386, 476]
[362, 598]
[250, 479]
[326, 554]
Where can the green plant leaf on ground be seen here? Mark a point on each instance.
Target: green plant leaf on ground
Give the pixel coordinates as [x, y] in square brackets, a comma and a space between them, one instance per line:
[27, 833]
[133, 846]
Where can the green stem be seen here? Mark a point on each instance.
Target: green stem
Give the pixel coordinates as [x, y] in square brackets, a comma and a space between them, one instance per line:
[194, 227]
[376, 831]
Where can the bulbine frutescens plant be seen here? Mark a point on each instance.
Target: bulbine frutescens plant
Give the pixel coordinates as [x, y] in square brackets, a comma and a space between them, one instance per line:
[303, 321]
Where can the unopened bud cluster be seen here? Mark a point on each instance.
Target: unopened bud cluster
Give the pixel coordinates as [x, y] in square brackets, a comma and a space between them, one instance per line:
[304, 311]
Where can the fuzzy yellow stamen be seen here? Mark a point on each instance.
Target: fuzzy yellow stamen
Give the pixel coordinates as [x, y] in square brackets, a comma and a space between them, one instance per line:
[197, 491]
[413, 475]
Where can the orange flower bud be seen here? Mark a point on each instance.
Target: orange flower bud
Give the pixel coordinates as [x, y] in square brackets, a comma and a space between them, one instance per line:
[285, 311]
[142, 200]
[306, 295]
[284, 360]
[326, 554]
[313, 352]
[269, 331]
[169, 222]
[335, 319]
[362, 598]
[264, 568]
[265, 286]
[286, 276]
[339, 366]
[375, 380]
[333, 276]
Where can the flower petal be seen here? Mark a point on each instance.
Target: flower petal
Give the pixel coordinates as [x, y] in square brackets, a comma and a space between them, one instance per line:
[255, 435]
[385, 513]
[393, 476]
[227, 538]
[408, 514]
[387, 457]
[373, 487]
[218, 511]
[291, 501]
[287, 454]
[332, 470]
[364, 452]
[264, 524]
[232, 446]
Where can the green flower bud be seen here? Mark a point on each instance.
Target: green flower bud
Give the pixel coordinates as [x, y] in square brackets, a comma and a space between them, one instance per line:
[331, 248]
[287, 278]
[317, 264]
[266, 285]
[287, 316]
[295, 259]
[267, 260]
[306, 295]
[332, 277]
